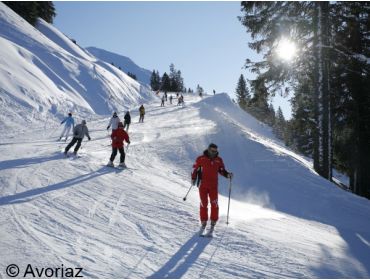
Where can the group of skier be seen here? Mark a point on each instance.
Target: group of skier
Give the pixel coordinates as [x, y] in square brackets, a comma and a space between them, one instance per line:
[180, 99]
[118, 135]
[205, 169]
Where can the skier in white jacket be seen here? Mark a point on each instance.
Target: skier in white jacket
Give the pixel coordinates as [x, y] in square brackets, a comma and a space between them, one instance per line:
[114, 122]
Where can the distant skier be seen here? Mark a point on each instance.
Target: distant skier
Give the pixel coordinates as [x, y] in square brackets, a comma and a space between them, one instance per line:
[171, 99]
[205, 170]
[69, 123]
[79, 133]
[165, 95]
[118, 136]
[142, 113]
[127, 121]
[114, 122]
[181, 101]
[214, 92]
[162, 101]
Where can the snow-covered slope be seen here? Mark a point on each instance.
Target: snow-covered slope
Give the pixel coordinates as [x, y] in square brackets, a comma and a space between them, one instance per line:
[126, 64]
[43, 75]
[286, 221]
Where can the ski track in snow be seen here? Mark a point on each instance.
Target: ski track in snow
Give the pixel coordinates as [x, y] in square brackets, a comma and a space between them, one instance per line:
[134, 224]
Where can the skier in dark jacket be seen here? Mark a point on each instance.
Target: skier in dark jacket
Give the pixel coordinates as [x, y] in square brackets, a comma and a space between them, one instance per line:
[142, 113]
[127, 121]
[206, 169]
[162, 101]
[79, 133]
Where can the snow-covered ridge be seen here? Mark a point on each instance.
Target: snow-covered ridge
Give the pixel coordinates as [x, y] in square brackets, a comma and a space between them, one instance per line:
[127, 65]
[44, 75]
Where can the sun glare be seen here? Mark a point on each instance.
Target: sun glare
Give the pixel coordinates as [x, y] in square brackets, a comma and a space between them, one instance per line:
[286, 50]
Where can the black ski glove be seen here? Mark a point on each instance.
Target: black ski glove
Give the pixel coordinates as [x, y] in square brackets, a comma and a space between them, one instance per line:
[89, 138]
[108, 127]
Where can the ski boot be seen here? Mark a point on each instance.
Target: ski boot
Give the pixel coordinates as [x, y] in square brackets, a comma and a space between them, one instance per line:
[122, 165]
[110, 164]
[202, 228]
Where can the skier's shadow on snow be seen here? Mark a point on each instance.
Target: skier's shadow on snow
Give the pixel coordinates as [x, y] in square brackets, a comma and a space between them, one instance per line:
[31, 194]
[184, 258]
[24, 162]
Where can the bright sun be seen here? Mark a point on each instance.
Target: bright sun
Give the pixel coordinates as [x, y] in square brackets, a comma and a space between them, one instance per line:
[286, 50]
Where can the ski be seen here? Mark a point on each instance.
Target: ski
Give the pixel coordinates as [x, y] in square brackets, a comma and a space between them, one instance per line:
[116, 167]
[209, 233]
[71, 156]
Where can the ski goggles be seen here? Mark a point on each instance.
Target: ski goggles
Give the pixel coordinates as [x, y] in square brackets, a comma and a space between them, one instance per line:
[212, 151]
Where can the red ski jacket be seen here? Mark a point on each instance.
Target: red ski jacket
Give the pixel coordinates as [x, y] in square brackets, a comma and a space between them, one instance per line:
[118, 136]
[209, 169]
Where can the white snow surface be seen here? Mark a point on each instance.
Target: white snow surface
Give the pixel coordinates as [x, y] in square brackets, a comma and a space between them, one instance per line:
[44, 75]
[285, 220]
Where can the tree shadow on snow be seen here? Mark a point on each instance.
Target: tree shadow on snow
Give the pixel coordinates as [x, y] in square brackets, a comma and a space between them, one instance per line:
[34, 193]
[184, 258]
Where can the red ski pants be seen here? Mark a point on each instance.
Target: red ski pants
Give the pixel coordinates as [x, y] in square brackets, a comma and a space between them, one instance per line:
[212, 193]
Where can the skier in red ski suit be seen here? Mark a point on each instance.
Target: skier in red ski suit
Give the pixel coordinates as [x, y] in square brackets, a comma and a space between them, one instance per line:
[206, 169]
[118, 136]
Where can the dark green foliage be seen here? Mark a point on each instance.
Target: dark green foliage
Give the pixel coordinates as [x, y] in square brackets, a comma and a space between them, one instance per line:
[155, 81]
[31, 10]
[279, 126]
[165, 82]
[46, 11]
[176, 80]
[330, 79]
[242, 92]
[132, 75]
[258, 106]
[301, 126]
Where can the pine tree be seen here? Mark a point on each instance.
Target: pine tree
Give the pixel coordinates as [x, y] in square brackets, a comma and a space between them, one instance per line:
[155, 81]
[279, 126]
[132, 75]
[306, 24]
[165, 82]
[258, 105]
[26, 9]
[302, 125]
[351, 45]
[31, 10]
[242, 93]
[46, 10]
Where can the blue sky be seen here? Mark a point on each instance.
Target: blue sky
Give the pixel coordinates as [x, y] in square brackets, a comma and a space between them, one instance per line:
[204, 40]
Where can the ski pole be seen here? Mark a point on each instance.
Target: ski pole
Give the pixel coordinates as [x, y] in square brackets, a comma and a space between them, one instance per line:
[83, 145]
[228, 206]
[187, 193]
[128, 146]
